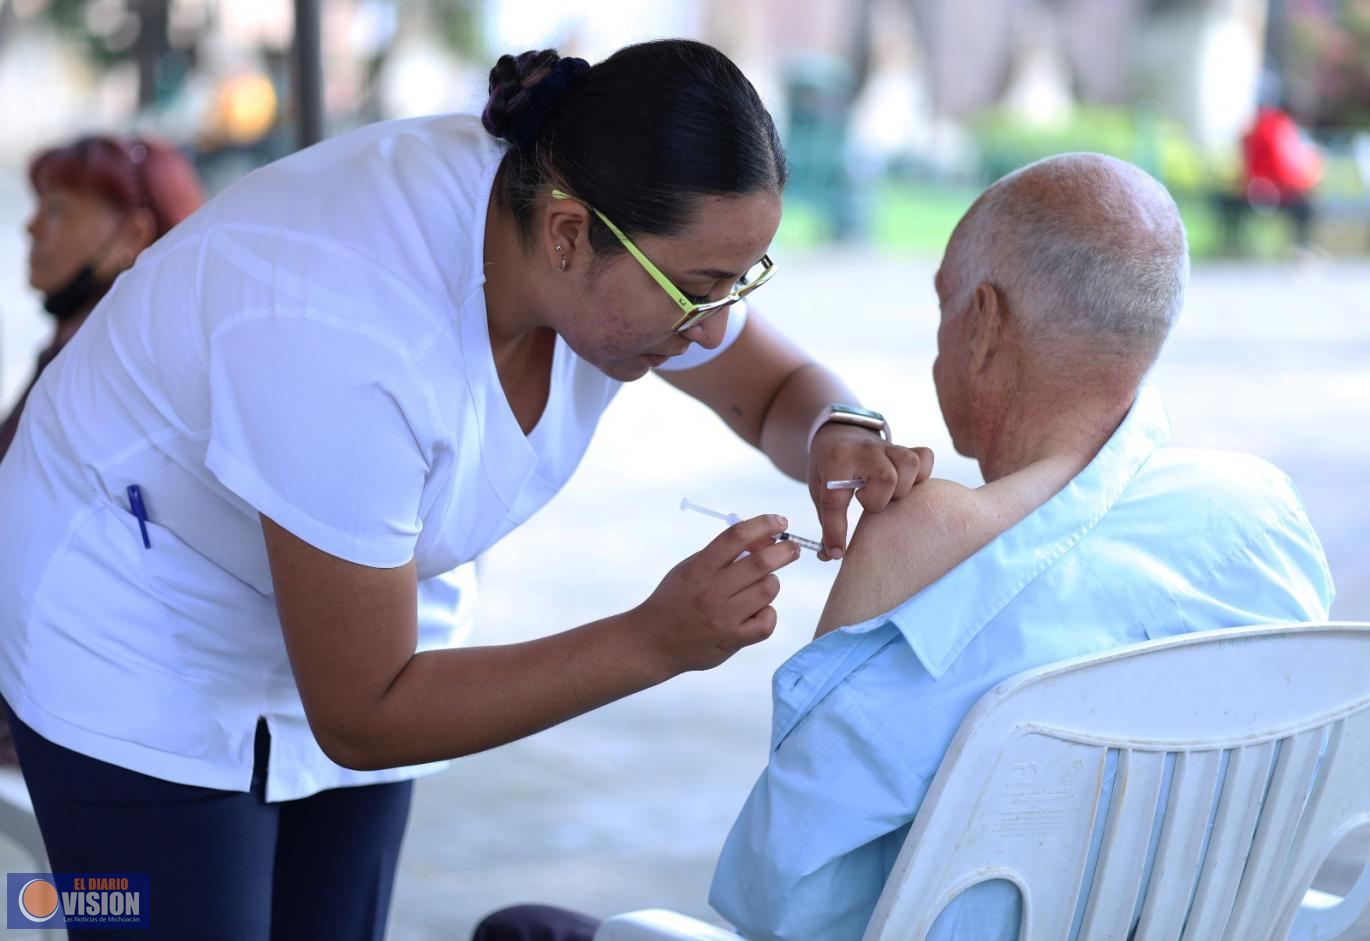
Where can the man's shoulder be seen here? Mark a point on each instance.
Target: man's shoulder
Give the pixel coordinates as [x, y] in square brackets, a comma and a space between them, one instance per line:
[1232, 527]
[1183, 481]
[913, 542]
[935, 508]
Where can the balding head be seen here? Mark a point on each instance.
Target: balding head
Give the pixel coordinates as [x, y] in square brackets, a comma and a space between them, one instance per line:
[1088, 252]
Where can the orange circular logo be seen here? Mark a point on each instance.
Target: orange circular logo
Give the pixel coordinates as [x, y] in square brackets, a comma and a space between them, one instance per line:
[38, 900]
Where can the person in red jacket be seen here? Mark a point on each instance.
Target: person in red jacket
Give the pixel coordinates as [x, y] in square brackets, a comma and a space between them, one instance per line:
[1281, 167]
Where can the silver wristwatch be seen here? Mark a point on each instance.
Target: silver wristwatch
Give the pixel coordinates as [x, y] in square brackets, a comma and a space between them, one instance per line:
[850, 415]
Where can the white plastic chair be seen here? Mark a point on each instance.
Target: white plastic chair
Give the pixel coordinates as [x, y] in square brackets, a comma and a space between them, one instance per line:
[1258, 737]
[17, 821]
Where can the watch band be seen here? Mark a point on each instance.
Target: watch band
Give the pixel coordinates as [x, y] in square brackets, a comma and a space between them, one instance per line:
[850, 415]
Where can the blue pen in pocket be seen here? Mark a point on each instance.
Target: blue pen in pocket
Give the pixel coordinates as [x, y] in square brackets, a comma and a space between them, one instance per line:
[135, 506]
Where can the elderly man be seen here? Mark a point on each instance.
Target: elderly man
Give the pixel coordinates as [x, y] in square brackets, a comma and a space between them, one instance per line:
[1057, 290]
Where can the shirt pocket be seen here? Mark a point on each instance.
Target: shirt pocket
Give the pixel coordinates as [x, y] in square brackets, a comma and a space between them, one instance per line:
[107, 654]
[215, 626]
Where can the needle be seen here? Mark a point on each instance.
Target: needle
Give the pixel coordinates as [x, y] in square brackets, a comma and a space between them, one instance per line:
[732, 519]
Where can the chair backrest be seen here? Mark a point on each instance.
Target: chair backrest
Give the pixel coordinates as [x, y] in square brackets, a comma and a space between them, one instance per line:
[1239, 759]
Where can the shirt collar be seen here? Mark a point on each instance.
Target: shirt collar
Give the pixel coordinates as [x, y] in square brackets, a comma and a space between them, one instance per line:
[943, 618]
[939, 621]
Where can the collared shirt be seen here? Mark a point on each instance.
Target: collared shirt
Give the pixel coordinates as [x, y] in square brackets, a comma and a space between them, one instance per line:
[1147, 541]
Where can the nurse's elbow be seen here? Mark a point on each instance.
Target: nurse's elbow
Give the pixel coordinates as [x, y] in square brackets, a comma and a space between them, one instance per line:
[349, 747]
[354, 759]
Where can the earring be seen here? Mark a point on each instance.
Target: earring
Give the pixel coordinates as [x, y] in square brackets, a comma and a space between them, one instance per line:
[563, 257]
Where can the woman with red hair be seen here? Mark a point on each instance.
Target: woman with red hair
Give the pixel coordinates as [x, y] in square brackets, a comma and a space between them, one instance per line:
[101, 201]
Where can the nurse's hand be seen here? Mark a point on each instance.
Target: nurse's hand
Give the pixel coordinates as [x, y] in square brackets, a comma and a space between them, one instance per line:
[716, 602]
[847, 452]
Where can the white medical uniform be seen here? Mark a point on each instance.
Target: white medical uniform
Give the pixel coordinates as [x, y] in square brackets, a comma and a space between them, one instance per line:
[312, 346]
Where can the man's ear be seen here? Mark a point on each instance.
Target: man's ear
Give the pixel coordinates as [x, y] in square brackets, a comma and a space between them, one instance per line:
[566, 233]
[988, 313]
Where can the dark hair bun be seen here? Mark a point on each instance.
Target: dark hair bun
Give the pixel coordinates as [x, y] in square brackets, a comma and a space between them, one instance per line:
[640, 135]
[509, 114]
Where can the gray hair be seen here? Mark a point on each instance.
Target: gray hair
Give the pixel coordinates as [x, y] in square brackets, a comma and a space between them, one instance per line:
[1083, 246]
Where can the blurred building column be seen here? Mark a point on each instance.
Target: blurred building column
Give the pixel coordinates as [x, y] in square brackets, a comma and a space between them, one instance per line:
[975, 49]
[7, 20]
[968, 48]
[151, 47]
[1199, 63]
[307, 54]
[1099, 44]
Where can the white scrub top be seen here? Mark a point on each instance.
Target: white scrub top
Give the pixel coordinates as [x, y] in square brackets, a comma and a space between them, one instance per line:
[312, 345]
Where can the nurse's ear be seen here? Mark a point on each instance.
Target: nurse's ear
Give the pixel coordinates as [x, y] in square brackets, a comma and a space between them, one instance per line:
[565, 235]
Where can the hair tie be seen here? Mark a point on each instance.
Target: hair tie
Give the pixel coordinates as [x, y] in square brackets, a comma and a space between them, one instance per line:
[543, 98]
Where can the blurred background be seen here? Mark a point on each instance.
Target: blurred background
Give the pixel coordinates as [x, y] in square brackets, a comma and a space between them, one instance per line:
[895, 113]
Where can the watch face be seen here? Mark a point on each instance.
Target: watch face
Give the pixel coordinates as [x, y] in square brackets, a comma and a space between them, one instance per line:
[858, 410]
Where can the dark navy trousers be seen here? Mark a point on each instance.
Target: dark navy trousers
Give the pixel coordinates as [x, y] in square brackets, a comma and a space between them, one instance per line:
[223, 865]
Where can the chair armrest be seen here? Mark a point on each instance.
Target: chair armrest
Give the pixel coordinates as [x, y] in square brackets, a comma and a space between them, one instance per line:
[1324, 915]
[657, 924]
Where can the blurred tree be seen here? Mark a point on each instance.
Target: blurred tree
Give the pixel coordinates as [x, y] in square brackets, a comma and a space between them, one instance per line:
[458, 23]
[7, 20]
[112, 31]
[455, 24]
[107, 31]
[821, 90]
[1326, 61]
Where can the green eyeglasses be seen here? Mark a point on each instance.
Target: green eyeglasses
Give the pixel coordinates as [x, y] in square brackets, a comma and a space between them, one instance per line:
[692, 312]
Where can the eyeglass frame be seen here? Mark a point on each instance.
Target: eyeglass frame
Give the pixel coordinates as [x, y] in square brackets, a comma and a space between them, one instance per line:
[693, 313]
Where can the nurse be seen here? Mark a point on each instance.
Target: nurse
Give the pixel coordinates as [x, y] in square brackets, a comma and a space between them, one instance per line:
[232, 500]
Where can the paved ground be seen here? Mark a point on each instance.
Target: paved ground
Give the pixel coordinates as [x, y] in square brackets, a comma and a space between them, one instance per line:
[627, 807]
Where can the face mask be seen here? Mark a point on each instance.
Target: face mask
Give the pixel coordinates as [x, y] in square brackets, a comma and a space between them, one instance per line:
[76, 296]
[83, 290]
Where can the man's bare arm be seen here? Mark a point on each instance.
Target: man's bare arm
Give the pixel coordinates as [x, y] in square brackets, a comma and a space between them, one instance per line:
[897, 553]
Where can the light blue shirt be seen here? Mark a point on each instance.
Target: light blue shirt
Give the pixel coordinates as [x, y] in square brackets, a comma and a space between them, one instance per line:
[1147, 541]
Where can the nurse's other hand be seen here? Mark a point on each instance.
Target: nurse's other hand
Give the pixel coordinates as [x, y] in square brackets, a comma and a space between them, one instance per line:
[844, 452]
[716, 602]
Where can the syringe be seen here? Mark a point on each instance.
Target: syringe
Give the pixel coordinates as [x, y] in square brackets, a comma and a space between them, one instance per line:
[810, 544]
[732, 519]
